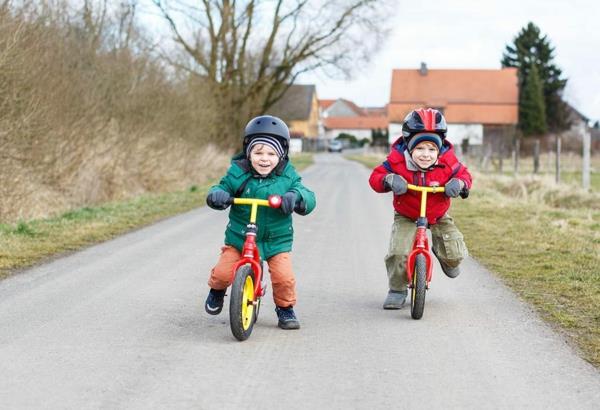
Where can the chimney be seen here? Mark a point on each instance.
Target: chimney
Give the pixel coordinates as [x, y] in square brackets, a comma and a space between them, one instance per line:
[423, 69]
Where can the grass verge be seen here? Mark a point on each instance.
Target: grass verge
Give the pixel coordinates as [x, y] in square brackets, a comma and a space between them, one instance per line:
[542, 245]
[28, 242]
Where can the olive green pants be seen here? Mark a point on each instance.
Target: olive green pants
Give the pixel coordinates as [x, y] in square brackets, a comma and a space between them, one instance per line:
[447, 243]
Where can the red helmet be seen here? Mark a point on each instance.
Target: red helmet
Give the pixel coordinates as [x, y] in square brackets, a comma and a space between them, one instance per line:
[424, 120]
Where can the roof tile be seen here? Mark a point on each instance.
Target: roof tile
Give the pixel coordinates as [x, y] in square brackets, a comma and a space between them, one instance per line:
[465, 96]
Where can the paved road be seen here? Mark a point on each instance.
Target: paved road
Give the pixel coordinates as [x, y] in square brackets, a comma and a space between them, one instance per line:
[121, 325]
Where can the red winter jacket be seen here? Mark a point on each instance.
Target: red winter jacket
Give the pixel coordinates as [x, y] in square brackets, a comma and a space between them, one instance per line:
[409, 203]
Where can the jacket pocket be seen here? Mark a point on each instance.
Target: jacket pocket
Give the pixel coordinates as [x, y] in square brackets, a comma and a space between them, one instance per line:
[280, 233]
[450, 246]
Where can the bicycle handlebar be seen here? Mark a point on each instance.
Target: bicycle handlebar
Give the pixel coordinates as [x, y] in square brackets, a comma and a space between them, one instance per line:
[432, 189]
[273, 201]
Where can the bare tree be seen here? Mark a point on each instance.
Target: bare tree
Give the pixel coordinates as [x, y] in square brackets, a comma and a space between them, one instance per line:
[250, 52]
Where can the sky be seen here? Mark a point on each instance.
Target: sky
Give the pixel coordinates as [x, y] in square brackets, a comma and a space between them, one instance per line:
[472, 34]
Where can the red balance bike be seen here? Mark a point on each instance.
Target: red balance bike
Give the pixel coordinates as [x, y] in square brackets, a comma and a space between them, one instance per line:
[419, 265]
[248, 285]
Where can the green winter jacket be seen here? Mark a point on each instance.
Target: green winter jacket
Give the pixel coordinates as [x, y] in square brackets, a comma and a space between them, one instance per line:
[275, 232]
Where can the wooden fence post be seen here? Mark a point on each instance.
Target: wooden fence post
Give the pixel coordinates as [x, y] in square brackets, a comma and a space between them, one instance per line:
[558, 142]
[516, 155]
[501, 160]
[536, 156]
[585, 172]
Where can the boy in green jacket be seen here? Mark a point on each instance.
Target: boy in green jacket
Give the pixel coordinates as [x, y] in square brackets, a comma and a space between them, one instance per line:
[262, 169]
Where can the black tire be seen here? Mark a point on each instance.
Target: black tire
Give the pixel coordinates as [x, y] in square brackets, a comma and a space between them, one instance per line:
[240, 319]
[419, 287]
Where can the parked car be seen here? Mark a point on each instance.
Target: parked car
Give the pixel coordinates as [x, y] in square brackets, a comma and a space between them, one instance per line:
[335, 146]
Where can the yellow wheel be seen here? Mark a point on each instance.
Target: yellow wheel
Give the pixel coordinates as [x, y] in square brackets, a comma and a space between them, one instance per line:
[247, 302]
[242, 305]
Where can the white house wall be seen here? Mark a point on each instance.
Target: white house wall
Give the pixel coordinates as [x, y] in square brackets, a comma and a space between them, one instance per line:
[295, 145]
[395, 132]
[339, 109]
[459, 132]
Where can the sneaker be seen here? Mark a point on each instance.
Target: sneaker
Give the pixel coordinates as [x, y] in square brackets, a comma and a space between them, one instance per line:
[214, 301]
[449, 271]
[287, 318]
[395, 299]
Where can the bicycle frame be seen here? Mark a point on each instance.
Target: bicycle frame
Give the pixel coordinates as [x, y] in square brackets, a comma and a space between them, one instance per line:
[250, 254]
[421, 243]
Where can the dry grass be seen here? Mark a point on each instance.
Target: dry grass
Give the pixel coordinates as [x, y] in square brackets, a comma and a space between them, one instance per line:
[543, 240]
[548, 253]
[301, 160]
[570, 168]
[107, 172]
[89, 115]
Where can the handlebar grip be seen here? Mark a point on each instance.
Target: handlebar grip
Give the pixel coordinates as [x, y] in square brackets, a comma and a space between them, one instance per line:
[274, 201]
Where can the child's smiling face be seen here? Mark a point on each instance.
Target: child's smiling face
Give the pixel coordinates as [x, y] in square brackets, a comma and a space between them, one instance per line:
[263, 158]
[425, 154]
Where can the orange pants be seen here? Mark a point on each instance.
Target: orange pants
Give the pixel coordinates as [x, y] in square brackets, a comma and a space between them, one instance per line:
[280, 268]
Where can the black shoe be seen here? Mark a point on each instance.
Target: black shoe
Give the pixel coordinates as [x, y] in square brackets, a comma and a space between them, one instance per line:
[287, 318]
[214, 301]
[448, 270]
[395, 299]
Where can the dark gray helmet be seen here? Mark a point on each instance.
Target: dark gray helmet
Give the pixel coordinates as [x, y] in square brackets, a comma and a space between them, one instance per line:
[267, 125]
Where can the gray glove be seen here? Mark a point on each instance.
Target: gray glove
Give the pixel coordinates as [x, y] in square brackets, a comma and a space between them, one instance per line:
[218, 199]
[288, 202]
[396, 183]
[453, 187]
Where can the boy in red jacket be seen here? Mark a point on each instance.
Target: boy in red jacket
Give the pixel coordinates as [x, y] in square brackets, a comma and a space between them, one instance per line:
[421, 157]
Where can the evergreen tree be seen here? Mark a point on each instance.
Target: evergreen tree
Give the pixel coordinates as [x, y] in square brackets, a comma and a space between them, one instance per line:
[531, 49]
[532, 113]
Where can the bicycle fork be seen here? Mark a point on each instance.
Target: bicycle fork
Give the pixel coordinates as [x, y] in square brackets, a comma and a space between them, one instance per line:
[420, 247]
[250, 255]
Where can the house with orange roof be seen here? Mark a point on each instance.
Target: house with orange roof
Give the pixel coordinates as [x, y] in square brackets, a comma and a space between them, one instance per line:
[299, 108]
[325, 104]
[341, 108]
[345, 117]
[477, 103]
